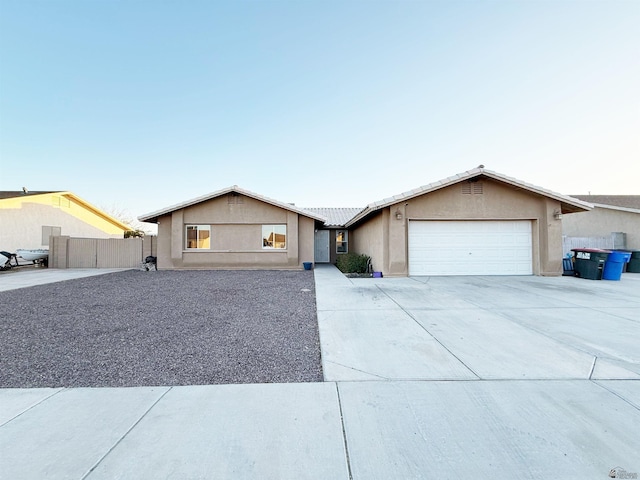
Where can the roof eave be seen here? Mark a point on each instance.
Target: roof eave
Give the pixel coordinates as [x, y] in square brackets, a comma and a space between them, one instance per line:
[616, 207]
[153, 216]
[568, 204]
[97, 211]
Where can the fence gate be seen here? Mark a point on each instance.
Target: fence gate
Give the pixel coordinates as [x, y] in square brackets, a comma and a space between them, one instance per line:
[82, 253]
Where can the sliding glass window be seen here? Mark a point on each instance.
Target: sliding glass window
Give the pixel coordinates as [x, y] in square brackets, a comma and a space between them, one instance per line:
[198, 237]
[274, 236]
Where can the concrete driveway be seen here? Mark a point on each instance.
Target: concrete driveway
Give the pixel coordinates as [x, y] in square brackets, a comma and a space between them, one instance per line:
[479, 328]
[496, 377]
[484, 377]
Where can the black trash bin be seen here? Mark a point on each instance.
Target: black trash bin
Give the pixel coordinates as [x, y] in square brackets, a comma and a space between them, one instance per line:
[589, 262]
[634, 262]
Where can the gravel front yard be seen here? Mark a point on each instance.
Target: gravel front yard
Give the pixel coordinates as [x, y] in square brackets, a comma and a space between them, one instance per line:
[137, 328]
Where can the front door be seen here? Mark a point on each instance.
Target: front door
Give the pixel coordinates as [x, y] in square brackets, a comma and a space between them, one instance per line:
[321, 254]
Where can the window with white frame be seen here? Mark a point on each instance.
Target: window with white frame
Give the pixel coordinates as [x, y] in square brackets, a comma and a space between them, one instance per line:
[342, 241]
[198, 237]
[274, 236]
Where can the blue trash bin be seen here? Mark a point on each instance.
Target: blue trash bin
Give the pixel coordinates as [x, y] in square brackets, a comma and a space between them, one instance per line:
[627, 258]
[613, 266]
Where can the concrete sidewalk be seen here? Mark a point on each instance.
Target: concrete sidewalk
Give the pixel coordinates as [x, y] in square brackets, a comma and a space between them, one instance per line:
[23, 278]
[452, 377]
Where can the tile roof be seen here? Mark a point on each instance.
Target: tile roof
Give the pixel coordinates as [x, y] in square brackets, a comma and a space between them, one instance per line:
[569, 204]
[20, 193]
[336, 217]
[153, 216]
[626, 201]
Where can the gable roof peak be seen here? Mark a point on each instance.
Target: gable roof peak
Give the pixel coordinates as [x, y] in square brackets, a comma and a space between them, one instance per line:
[569, 204]
[153, 216]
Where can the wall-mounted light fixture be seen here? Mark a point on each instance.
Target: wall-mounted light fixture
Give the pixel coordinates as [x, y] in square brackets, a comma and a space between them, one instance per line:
[557, 215]
[398, 215]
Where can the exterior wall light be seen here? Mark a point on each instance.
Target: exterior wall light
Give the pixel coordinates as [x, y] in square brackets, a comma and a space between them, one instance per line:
[398, 215]
[557, 215]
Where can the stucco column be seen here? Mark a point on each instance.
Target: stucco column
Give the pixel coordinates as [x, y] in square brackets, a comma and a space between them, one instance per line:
[177, 232]
[397, 240]
[551, 240]
[293, 232]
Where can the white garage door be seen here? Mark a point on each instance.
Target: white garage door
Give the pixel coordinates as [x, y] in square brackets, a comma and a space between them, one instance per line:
[470, 248]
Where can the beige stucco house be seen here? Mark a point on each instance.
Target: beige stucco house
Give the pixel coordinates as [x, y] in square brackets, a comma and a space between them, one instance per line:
[615, 218]
[234, 228]
[476, 223]
[28, 219]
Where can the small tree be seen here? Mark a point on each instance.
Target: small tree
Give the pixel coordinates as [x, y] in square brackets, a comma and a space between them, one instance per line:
[133, 234]
[137, 229]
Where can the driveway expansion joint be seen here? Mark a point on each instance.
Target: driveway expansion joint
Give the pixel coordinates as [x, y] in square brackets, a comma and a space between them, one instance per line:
[593, 366]
[344, 433]
[406, 312]
[357, 370]
[634, 405]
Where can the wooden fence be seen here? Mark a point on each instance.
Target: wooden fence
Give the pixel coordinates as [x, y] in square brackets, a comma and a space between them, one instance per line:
[68, 252]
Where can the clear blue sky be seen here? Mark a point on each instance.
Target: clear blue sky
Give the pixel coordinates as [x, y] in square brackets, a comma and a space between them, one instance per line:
[138, 105]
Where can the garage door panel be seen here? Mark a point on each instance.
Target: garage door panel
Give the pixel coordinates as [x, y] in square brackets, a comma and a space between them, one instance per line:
[470, 248]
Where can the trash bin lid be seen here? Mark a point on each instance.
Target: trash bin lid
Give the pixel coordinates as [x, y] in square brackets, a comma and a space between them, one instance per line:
[592, 250]
[619, 257]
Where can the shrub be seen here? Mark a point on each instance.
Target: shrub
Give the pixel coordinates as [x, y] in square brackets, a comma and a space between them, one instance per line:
[353, 263]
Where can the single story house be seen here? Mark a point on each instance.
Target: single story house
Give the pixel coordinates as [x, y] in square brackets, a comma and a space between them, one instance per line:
[476, 223]
[614, 218]
[28, 219]
[234, 228]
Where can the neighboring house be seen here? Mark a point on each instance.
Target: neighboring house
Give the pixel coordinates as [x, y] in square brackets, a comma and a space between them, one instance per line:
[28, 219]
[614, 217]
[234, 228]
[476, 223]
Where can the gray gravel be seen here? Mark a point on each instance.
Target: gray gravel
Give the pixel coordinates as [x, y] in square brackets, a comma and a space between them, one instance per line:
[137, 328]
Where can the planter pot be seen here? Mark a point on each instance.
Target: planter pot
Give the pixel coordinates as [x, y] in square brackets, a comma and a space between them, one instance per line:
[307, 265]
[377, 274]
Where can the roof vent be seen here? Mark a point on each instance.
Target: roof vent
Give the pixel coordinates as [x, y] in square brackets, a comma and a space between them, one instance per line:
[471, 187]
[234, 198]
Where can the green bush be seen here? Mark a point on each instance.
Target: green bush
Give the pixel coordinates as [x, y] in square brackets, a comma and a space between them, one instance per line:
[353, 263]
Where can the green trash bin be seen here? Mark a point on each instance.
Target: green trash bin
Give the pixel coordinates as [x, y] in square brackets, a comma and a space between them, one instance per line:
[589, 262]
